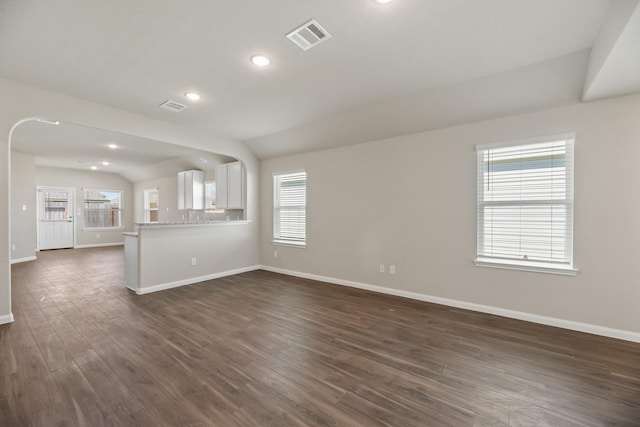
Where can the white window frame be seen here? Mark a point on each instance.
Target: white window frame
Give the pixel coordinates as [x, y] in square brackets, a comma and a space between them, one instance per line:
[147, 207]
[120, 209]
[565, 267]
[278, 238]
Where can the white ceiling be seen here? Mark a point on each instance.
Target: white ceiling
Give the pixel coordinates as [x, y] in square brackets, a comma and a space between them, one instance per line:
[134, 55]
[72, 146]
[614, 69]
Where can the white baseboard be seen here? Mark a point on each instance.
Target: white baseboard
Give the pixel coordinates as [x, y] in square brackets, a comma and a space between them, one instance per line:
[529, 317]
[19, 260]
[98, 245]
[7, 318]
[191, 280]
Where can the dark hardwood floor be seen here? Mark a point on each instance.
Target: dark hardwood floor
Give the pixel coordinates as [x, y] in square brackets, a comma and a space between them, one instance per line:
[262, 349]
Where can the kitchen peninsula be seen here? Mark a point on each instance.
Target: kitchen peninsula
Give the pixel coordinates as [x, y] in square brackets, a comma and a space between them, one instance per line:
[161, 256]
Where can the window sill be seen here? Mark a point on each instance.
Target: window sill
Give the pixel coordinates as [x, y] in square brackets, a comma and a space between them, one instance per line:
[290, 243]
[536, 267]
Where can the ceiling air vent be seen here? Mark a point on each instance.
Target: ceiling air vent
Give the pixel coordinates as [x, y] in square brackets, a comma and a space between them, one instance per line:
[172, 106]
[308, 35]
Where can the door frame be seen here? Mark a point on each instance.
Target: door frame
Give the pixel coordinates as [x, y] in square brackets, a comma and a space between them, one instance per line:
[72, 209]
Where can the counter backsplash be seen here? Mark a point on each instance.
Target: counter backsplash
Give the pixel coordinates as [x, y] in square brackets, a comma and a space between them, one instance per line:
[225, 215]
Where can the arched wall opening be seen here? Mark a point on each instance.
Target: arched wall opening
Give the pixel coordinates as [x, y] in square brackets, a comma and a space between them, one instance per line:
[25, 104]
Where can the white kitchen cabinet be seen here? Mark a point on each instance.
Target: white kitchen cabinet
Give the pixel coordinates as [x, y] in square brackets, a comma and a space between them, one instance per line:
[230, 186]
[191, 190]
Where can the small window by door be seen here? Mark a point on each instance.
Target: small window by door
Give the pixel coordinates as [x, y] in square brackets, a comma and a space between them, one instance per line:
[151, 204]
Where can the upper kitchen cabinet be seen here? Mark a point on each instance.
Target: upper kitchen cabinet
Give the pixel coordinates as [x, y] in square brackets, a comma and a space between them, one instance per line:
[230, 186]
[191, 190]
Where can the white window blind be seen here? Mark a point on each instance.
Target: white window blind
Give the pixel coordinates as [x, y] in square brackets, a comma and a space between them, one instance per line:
[525, 203]
[290, 208]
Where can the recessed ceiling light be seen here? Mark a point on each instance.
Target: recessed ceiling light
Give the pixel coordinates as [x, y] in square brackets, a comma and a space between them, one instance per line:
[112, 146]
[382, 1]
[94, 168]
[260, 60]
[193, 96]
[105, 163]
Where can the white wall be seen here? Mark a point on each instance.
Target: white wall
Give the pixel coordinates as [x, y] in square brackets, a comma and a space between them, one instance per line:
[167, 198]
[166, 253]
[79, 179]
[411, 201]
[23, 194]
[19, 102]
[536, 87]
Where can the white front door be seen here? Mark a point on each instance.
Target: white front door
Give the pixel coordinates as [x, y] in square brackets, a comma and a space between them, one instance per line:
[55, 218]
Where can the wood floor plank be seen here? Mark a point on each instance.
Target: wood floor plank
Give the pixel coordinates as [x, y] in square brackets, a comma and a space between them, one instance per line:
[79, 402]
[263, 349]
[118, 398]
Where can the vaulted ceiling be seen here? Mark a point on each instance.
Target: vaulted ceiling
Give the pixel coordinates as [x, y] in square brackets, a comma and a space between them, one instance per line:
[387, 70]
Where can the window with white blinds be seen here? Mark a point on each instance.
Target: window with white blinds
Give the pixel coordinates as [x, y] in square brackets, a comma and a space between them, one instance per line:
[290, 208]
[525, 204]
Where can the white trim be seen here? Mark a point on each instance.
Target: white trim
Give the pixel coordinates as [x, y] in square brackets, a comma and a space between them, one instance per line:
[191, 280]
[25, 259]
[7, 318]
[291, 243]
[535, 267]
[98, 245]
[484, 250]
[288, 172]
[564, 136]
[513, 314]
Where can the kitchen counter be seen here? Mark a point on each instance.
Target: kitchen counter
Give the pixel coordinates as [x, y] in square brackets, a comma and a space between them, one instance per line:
[168, 254]
[189, 224]
[131, 260]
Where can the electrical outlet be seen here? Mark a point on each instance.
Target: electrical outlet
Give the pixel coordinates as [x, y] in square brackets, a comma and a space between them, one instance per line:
[275, 254]
[97, 236]
[193, 261]
[24, 207]
[392, 269]
[381, 268]
[13, 247]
